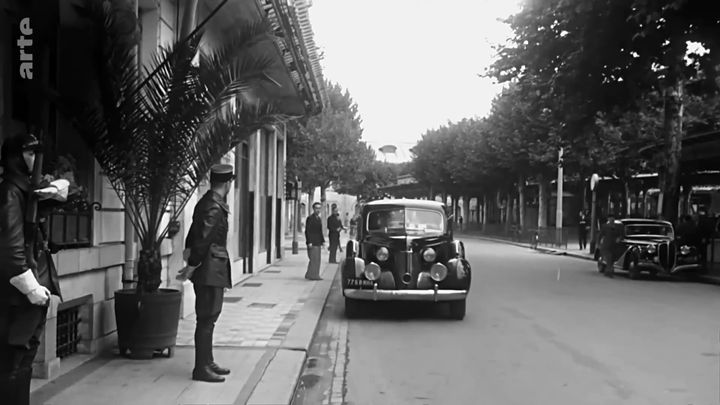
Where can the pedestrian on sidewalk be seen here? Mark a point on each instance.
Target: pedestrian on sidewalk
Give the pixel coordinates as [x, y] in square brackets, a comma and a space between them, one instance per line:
[334, 227]
[582, 229]
[209, 269]
[315, 241]
[610, 235]
[27, 275]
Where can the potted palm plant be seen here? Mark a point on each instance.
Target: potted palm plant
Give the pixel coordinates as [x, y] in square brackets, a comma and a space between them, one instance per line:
[155, 132]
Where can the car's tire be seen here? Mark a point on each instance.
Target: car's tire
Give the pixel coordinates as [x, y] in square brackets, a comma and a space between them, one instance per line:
[632, 268]
[457, 309]
[353, 308]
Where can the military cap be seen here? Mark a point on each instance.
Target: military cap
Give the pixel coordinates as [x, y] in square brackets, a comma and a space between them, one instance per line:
[21, 143]
[221, 173]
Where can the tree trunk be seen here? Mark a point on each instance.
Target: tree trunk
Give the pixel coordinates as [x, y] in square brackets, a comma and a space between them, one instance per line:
[466, 210]
[521, 202]
[542, 201]
[323, 213]
[672, 129]
[149, 268]
[508, 213]
[484, 210]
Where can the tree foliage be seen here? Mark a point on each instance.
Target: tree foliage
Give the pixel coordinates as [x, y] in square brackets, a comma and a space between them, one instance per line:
[327, 148]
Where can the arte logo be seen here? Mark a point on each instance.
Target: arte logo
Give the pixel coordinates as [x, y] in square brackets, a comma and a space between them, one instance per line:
[26, 57]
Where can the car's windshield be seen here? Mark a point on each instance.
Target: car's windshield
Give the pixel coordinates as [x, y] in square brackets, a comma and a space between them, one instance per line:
[648, 229]
[411, 221]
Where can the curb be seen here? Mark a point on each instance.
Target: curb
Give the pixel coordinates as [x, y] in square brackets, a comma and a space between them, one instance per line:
[704, 279]
[280, 378]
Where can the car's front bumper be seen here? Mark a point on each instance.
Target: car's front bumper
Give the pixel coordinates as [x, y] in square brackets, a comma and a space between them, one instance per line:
[678, 268]
[405, 295]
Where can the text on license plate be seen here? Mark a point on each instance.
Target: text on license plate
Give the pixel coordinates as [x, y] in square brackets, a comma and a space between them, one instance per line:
[358, 282]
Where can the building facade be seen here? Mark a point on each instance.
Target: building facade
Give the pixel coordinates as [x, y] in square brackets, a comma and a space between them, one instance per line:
[97, 241]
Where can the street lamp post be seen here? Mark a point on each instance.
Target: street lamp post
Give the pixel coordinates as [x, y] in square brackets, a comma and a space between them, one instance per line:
[559, 204]
[593, 213]
[296, 214]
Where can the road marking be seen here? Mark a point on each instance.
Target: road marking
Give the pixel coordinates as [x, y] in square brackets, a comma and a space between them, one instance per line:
[558, 275]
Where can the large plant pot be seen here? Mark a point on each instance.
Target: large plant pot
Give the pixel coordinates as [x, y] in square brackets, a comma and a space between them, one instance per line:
[147, 327]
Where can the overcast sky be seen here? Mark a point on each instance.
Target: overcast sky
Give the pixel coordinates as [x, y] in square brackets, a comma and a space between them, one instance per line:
[411, 65]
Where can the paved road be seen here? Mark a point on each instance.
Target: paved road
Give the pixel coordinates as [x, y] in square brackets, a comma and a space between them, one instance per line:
[539, 329]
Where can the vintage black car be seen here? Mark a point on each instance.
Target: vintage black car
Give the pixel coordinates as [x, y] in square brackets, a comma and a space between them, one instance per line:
[651, 246]
[405, 251]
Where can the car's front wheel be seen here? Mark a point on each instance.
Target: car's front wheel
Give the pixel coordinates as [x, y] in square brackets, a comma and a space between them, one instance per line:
[457, 309]
[352, 308]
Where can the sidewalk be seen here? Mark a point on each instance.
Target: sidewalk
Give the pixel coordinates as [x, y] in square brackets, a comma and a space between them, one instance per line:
[711, 277]
[263, 336]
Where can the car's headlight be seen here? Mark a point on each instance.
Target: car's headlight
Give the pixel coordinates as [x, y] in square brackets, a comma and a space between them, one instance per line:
[429, 255]
[438, 272]
[684, 249]
[382, 254]
[372, 271]
[651, 249]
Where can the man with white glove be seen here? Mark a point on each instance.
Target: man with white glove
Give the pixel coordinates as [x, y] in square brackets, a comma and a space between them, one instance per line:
[26, 282]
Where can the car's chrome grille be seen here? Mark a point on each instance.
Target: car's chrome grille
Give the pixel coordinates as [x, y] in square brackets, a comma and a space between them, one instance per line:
[666, 254]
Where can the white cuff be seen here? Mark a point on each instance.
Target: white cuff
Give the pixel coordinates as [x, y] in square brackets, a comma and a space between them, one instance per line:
[25, 282]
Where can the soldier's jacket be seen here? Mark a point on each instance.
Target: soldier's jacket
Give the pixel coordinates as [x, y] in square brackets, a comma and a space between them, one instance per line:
[207, 241]
[17, 252]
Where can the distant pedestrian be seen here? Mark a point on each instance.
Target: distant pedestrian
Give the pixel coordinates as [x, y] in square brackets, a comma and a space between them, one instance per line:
[209, 269]
[461, 223]
[334, 227]
[315, 241]
[582, 229]
[610, 235]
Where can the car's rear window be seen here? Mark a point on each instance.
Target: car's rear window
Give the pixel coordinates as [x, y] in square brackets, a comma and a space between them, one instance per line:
[411, 221]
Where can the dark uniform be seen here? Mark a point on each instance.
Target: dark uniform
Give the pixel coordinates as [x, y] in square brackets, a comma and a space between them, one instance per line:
[314, 240]
[26, 270]
[334, 227]
[582, 230]
[207, 240]
[610, 235]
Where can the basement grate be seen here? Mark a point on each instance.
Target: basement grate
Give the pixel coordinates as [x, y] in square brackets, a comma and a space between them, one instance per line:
[67, 332]
[261, 305]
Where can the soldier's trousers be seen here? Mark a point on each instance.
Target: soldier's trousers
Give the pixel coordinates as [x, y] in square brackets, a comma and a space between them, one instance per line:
[19, 343]
[208, 305]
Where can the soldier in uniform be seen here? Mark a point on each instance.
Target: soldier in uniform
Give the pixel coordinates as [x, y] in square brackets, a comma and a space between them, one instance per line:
[209, 269]
[27, 277]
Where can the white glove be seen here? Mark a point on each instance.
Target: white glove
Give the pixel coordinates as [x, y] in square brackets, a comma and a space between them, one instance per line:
[57, 190]
[39, 296]
[27, 284]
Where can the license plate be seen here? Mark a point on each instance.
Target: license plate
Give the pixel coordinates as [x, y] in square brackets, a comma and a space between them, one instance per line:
[357, 282]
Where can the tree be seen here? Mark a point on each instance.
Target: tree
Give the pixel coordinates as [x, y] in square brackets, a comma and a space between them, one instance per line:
[327, 147]
[600, 55]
